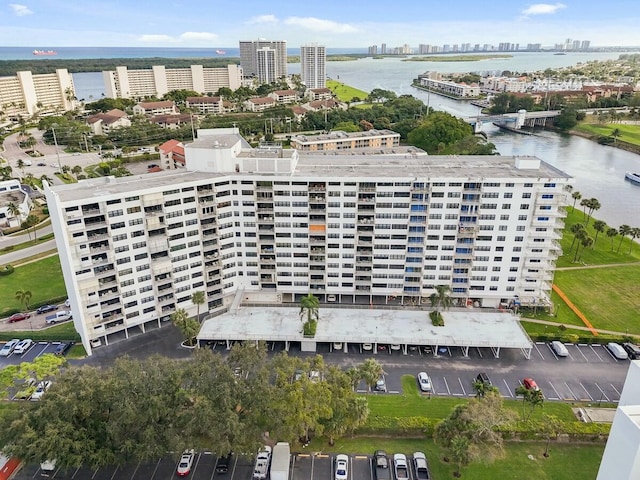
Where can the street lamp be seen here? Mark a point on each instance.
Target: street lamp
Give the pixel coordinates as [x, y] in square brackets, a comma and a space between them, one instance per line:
[55, 141]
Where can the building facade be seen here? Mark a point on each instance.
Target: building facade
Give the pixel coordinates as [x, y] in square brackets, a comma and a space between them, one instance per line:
[28, 94]
[313, 60]
[158, 81]
[271, 225]
[338, 140]
[264, 59]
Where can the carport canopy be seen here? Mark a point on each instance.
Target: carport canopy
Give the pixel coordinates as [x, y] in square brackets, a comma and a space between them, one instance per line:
[464, 328]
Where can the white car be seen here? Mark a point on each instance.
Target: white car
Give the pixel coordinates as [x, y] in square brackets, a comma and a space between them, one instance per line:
[367, 346]
[9, 347]
[342, 467]
[40, 391]
[615, 348]
[23, 346]
[261, 468]
[184, 465]
[424, 382]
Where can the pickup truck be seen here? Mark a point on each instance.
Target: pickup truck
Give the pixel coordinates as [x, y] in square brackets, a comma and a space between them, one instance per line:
[61, 316]
[420, 466]
[261, 468]
[400, 466]
[381, 465]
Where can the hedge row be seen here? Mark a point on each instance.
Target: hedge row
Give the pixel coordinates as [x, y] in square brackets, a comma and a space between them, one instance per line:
[587, 338]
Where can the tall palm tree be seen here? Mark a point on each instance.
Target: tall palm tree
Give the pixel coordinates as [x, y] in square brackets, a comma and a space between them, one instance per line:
[20, 165]
[584, 203]
[593, 204]
[189, 327]
[441, 297]
[576, 229]
[586, 243]
[45, 178]
[599, 226]
[198, 298]
[24, 297]
[612, 233]
[635, 233]
[311, 305]
[13, 209]
[616, 134]
[624, 230]
[582, 236]
[576, 196]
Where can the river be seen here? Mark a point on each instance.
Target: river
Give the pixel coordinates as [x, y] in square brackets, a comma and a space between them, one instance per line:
[598, 170]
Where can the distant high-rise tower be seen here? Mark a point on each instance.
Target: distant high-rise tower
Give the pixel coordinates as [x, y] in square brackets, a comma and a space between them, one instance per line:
[313, 59]
[383, 48]
[266, 60]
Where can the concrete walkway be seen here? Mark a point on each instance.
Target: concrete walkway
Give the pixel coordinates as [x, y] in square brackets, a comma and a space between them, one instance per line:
[577, 327]
[606, 265]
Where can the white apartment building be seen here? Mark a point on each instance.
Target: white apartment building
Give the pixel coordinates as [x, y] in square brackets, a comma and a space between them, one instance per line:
[313, 60]
[339, 140]
[157, 81]
[27, 94]
[271, 225]
[264, 59]
[451, 88]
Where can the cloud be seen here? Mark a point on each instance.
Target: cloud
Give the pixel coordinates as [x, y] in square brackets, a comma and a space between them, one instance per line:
[20, 10]
[543, 8]
[186, 37]
[320, 25]
[262, 19]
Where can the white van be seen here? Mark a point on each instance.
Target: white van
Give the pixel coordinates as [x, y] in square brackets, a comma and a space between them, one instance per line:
[559, 348]
[27, 163]
[617, 351]
[47, 468]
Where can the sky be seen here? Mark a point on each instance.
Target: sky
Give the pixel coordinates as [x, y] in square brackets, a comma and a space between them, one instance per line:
[333, 23]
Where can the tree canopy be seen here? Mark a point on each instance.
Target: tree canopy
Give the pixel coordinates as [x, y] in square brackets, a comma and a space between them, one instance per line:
[439, 131]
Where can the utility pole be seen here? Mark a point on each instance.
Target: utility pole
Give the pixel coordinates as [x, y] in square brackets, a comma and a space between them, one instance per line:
[55, 141]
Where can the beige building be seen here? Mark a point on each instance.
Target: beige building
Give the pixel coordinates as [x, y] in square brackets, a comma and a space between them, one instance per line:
[339, 140]
[259, 104]
[158, 81]
[103, 123]
[155, 108]
[27, 94]
[206, 105]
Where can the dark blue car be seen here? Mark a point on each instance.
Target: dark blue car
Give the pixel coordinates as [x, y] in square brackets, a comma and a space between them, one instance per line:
[47, 308]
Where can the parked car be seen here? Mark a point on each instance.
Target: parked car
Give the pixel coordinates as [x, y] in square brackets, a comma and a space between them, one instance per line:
[61, 316]
[342, 467]
[632, 350]
[400, 466]
[261, 468]
[424, 382]
[482, 377]
[40, 390]
[421, 466]
[367, 346]
[223, 463]
[185, 463]
[46, 308]
[559, 348]
[530, 384]
[17, 317]
[617, 351]
[26, 389]
[40, 164]
[381, 386]
[380, 463]
[47, 468]
[337, 345]
[63, 348]
[23, 346]
[9, 347]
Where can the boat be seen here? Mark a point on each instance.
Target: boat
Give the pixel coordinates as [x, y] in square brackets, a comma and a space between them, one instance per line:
[560, 53]
[220, 52]
[44, 52]
[632, 177]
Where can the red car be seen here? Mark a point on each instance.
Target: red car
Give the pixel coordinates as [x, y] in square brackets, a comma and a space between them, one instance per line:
[16, 317]
[530, 384]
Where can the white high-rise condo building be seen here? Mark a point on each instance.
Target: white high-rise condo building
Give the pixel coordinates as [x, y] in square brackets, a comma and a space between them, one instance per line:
[313, 59]
[264, 59]
[27, 94]
[271, 225]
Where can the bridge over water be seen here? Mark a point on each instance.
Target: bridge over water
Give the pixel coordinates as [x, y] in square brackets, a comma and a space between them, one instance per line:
[513, 120]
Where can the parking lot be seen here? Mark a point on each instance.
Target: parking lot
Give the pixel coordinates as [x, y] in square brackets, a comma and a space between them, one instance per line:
[36, 350]
[312, 466]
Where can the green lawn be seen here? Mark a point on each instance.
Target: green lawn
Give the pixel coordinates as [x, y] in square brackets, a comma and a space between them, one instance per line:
[345, 93]
[565, 461]
[42, 278]
[27, 244]
[629, 133]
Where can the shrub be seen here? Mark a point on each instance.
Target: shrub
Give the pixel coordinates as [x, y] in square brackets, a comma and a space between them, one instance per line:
[436, 319]
[309, 328]
[6, 270]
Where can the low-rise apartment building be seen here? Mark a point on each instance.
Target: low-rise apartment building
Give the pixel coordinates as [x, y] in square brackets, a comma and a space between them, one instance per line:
[165, 107]
[103, 123]
[272, 225]
[338, 140]
[206, 105]
[451, 88]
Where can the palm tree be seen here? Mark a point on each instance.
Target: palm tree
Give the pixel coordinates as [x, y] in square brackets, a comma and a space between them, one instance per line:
[624, 230]
[441, 297]
[76, 170]
[576, 229]
[593, 204]
[616, 134]
[13, 209]
[586, 242]
[611, 233]
[20, 165]
[460, 453]
[311, 305]
[24, 297]
[576, 196]
[581, 236]
[198, 298]
[635, 233]
[584, 203]
[189, 327]
[599, 226]
[45, 178]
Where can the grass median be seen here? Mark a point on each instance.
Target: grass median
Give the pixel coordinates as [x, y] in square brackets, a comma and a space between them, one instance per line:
[345, 93]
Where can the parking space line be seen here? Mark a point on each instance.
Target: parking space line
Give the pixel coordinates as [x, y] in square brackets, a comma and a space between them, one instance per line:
[615, 389]
[594, 351]
[588, 394]
[610, 354]
[446, 385]
[75, 473]
[507, 386]
[479, 352]
[460, 382]
[569, 352]
[604, 395]
[538, 350]
[557, 397]
[114, 473]
[43, 349]
[575, 397]
[583, 355]
[552, 352]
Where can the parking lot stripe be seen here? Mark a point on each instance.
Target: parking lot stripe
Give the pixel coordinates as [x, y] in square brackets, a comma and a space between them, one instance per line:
[538, 350]
[583, 355]
[604, 395]
[446, 385]
[361, 457]
[575, 397]
[588, 394]
[557, 397]
[612, 386]
[479, 352]
[507, 386]
[594, 351]
[460, 382]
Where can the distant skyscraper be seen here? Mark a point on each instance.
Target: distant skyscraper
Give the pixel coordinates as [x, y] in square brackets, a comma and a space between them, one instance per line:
[383, 48]
[373, 50]
[585, 45]
[264, 59]
[313, 59]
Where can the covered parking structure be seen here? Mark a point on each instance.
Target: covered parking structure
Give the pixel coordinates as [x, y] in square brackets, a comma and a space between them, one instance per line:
[462, 328]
